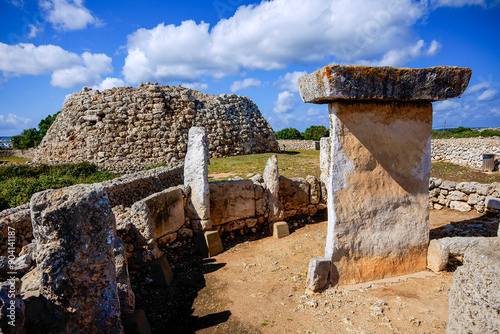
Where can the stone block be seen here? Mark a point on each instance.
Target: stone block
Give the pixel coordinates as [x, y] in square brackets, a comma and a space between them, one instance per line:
[324, 158]
[74, 232]
[137, 323]
[315, 189]
[231, 200]
[492, 203]
[448, 185]
[208, 243]
[272, 182]
[456, 195]
[167, 210]
[318, 274]
[475, 292]
[460, 206]
[437, 256]
[340, 82]
[160, 271]
[280, 230]
[124, 287]
[294, 192]
[196, 173]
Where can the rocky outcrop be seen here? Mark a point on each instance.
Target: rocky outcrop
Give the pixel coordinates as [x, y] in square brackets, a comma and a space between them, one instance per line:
[74, 234]
[129, 128]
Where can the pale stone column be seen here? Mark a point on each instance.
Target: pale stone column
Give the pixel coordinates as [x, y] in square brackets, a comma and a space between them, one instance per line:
[196, 176]
[380, 128]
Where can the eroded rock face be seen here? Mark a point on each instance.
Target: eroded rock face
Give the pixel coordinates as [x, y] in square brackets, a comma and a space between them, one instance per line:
[74, 232]
[124, 288]
[129, 128]
[231, 200]
[340, 82]
[475, 292]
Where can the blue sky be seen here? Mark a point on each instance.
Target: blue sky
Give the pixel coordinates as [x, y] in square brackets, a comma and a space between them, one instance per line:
[51, 48]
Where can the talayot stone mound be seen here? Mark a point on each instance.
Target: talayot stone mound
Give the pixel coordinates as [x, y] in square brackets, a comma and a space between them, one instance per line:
[126, 129]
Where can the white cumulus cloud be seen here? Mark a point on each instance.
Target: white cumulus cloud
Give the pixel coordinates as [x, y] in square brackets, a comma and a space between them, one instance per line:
[290, 81]
[286, 101]
[109, 83]
[201, 86]
[477, 87]
[488, 95]
[67, 14]
[13, 125]
[68, 69]
[446, 105]
[274, 34]
[247, 83]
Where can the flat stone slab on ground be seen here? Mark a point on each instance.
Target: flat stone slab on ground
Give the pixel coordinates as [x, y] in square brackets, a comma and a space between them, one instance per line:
[340, 82]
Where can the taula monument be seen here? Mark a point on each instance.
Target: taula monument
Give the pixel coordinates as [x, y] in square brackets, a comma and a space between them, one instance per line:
[127, 129]
[378, 198]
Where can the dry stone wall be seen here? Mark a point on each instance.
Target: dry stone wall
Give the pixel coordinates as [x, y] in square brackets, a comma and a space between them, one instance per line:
[299, 145]
[28, 154]
[465, 151]
[125, 129]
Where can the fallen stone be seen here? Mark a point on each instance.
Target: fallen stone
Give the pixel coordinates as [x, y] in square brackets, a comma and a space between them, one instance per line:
[437, 255]
[474, 297]
[460, 206]
[160, 272]
[137, 323]
[339, 82]
[208, 243]
[196, 174]
[74, 232]
[492, 203]
[318, 274]
[280, 230]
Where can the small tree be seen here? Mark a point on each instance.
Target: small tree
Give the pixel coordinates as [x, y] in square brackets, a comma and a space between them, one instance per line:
[32, 137]
[288, 133]
[315, 132]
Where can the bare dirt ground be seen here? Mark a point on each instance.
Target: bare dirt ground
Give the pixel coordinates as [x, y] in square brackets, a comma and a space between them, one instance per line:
[258, 287]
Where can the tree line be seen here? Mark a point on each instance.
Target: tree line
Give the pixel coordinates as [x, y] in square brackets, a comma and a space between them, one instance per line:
[32, 137]
[314, 132]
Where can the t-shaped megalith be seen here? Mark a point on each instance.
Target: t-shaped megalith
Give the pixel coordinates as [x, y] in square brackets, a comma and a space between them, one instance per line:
[380, 129]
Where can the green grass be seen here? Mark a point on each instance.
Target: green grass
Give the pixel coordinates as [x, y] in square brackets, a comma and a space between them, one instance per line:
[290, 164]
[9, 160]
[19, 182]
[451, 172]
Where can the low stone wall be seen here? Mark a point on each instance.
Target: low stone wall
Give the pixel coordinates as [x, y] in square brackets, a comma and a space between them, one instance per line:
[28, 154]
[298, 145]
[463, 196]
[465, 151]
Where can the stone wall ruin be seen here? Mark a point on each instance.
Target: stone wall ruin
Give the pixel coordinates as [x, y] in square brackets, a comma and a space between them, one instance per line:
[126, 129]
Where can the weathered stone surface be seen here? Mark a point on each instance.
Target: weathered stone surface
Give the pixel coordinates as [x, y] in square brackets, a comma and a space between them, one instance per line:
[324, 158]
[475, 292]
[142, 220]
[318, 274]
[460, 206]
[12, 310]
[231, 200]
[74, 232]
[339, 82]
[129, 128]
[124, 288]
[315, 190]
[448, 185]
[492, 203]
[437, 255]
[456, 195]
[294, 192]
[377, 192]
[271, 180]
[208, 243]
[280, 230]
[167, 210]
[196, 174]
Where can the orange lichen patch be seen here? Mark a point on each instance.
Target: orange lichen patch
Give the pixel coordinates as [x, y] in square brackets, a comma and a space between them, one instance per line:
[352, 271]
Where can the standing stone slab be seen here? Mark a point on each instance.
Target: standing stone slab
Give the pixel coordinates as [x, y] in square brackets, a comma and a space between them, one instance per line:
[231, 200]
[324, 158]
[74, 232]
[380, 127]
[272, 182]
[196, 173]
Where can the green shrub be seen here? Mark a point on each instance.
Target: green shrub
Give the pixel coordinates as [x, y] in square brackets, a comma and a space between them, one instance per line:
[315, 132]
[288, 133]
[32, 137]
[19, 182]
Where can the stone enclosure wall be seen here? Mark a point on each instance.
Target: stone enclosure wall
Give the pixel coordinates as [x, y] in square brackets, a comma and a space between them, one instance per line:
[298, 145]
[466, 151]
[127, 128]
[28, 154]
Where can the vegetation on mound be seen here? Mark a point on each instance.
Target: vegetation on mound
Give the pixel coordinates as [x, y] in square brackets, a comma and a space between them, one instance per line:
[462, 132]
[19, 182]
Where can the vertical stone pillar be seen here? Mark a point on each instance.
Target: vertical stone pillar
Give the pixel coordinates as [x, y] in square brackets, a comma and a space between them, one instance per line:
[380, 128]
[272, 182]
[74, 233]
[196, 176]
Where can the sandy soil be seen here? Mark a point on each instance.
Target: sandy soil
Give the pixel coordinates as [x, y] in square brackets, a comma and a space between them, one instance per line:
[258, 287]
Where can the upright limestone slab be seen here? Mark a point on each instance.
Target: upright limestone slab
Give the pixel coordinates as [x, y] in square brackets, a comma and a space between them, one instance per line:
[196, 173]
[380, 128]
[74, 233]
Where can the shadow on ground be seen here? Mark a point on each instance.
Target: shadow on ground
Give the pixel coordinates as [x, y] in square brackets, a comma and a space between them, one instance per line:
[484, 226]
